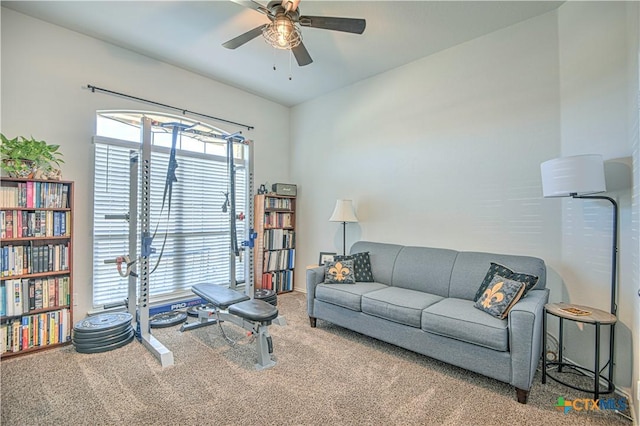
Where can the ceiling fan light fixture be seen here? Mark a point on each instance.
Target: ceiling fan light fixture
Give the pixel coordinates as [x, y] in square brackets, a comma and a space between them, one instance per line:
[282, 33]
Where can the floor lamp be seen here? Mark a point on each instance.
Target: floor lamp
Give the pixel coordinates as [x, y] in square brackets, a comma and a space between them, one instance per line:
[580, 176]
[344, 213]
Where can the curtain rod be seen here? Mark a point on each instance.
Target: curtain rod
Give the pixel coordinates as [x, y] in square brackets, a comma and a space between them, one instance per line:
[182, 110]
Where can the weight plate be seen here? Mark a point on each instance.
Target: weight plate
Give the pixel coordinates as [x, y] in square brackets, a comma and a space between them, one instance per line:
[103, 322]
[167, 319]
[105, 348]
[80, 334]
[103, 340]
[192, 311]
[263, 293]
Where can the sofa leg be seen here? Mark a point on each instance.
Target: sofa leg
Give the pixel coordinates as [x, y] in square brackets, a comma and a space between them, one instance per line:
[312, 320]
[522, 395]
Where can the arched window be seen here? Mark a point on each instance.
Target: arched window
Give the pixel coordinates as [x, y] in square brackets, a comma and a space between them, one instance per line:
[197, 230]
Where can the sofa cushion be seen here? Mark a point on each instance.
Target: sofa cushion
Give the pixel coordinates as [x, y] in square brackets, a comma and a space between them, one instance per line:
[501, 294]
[361, 265]
[347, 296]
[424, 269]
[501, 270]
[339, 272]
[383, 257]
[458, 319]
[470, 269]
[398, 304]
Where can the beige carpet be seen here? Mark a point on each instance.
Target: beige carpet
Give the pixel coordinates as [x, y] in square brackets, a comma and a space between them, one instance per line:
[326, 375]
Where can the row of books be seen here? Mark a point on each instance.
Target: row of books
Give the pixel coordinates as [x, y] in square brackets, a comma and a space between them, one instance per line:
[278, 260]
[40, 223]
[18, 297]
[278, 203]
[278, 220]
[35, 330]
[32, 194]
[32, 259]
[276, 239]
[279, 281]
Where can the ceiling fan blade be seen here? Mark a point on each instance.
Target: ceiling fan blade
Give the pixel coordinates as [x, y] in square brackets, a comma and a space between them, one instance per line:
[252, 5]
[347, 25]
[243, 38]
[302, 55]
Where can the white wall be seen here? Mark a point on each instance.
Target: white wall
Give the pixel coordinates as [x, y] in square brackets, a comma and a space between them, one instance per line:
[44, 70]
[446, 152]
[443, 152]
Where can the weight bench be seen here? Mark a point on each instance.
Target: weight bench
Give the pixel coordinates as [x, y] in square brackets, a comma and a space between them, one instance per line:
[251, 314]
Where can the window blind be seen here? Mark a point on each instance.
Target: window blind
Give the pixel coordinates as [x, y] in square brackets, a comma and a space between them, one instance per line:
[197, 231]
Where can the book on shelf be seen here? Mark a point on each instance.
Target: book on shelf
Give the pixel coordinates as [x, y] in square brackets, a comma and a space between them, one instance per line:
[20, 296]
[275, 260]
[36, 194]
[32, 259]
[3, 300]
[35, 330]
[278, 280]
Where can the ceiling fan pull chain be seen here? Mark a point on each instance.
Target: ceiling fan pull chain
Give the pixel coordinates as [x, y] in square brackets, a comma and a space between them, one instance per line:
[274, 58]
[290, 55]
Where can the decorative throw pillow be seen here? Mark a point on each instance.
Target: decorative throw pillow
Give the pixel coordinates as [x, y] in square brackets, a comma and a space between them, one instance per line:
[339, 272]
[497, 269]
[500, 296]
[361, 265]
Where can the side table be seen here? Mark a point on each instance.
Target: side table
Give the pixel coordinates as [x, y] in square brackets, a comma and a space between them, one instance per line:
[588, 315]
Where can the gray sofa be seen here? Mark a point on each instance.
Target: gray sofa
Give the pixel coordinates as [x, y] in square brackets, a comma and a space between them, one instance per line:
[422, 299]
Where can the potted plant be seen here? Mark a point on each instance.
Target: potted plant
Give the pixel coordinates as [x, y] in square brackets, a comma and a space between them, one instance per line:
[29, 158]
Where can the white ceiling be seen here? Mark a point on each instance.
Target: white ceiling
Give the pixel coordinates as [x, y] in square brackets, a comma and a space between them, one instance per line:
[189, 34]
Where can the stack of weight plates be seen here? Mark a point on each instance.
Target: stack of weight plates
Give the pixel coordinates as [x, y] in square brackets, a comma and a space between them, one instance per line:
[268, 296]
[102, 333]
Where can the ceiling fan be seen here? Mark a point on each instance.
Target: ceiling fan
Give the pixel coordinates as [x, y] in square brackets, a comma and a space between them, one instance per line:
[283, 31]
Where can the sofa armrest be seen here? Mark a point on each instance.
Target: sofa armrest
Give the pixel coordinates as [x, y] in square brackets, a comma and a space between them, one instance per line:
[315, 276]
[525, 337]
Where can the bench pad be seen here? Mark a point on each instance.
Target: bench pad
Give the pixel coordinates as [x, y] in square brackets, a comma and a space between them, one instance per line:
[221, 297]
[254, 310]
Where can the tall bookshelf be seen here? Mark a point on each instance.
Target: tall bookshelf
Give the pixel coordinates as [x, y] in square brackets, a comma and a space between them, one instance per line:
[36, 274]
[275, 224]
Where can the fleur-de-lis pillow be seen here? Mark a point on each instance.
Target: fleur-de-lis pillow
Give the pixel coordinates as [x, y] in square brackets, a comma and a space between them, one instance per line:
[530, 281]
[500, 296]
[339, 272]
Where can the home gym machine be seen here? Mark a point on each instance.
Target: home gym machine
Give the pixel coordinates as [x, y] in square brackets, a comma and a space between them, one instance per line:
[241, 309]
[228, 304]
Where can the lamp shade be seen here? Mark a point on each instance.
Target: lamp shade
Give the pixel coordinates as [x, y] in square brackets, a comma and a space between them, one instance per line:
[343, 212]
[575, 175]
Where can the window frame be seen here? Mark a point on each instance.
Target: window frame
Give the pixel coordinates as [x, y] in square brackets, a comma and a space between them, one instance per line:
[242, 204]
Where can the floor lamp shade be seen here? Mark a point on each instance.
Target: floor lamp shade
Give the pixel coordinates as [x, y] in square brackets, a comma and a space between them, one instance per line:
[575, 175]
[344, 213]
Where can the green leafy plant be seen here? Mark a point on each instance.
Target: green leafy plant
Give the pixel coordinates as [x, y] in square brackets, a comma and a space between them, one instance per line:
[24, 157]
